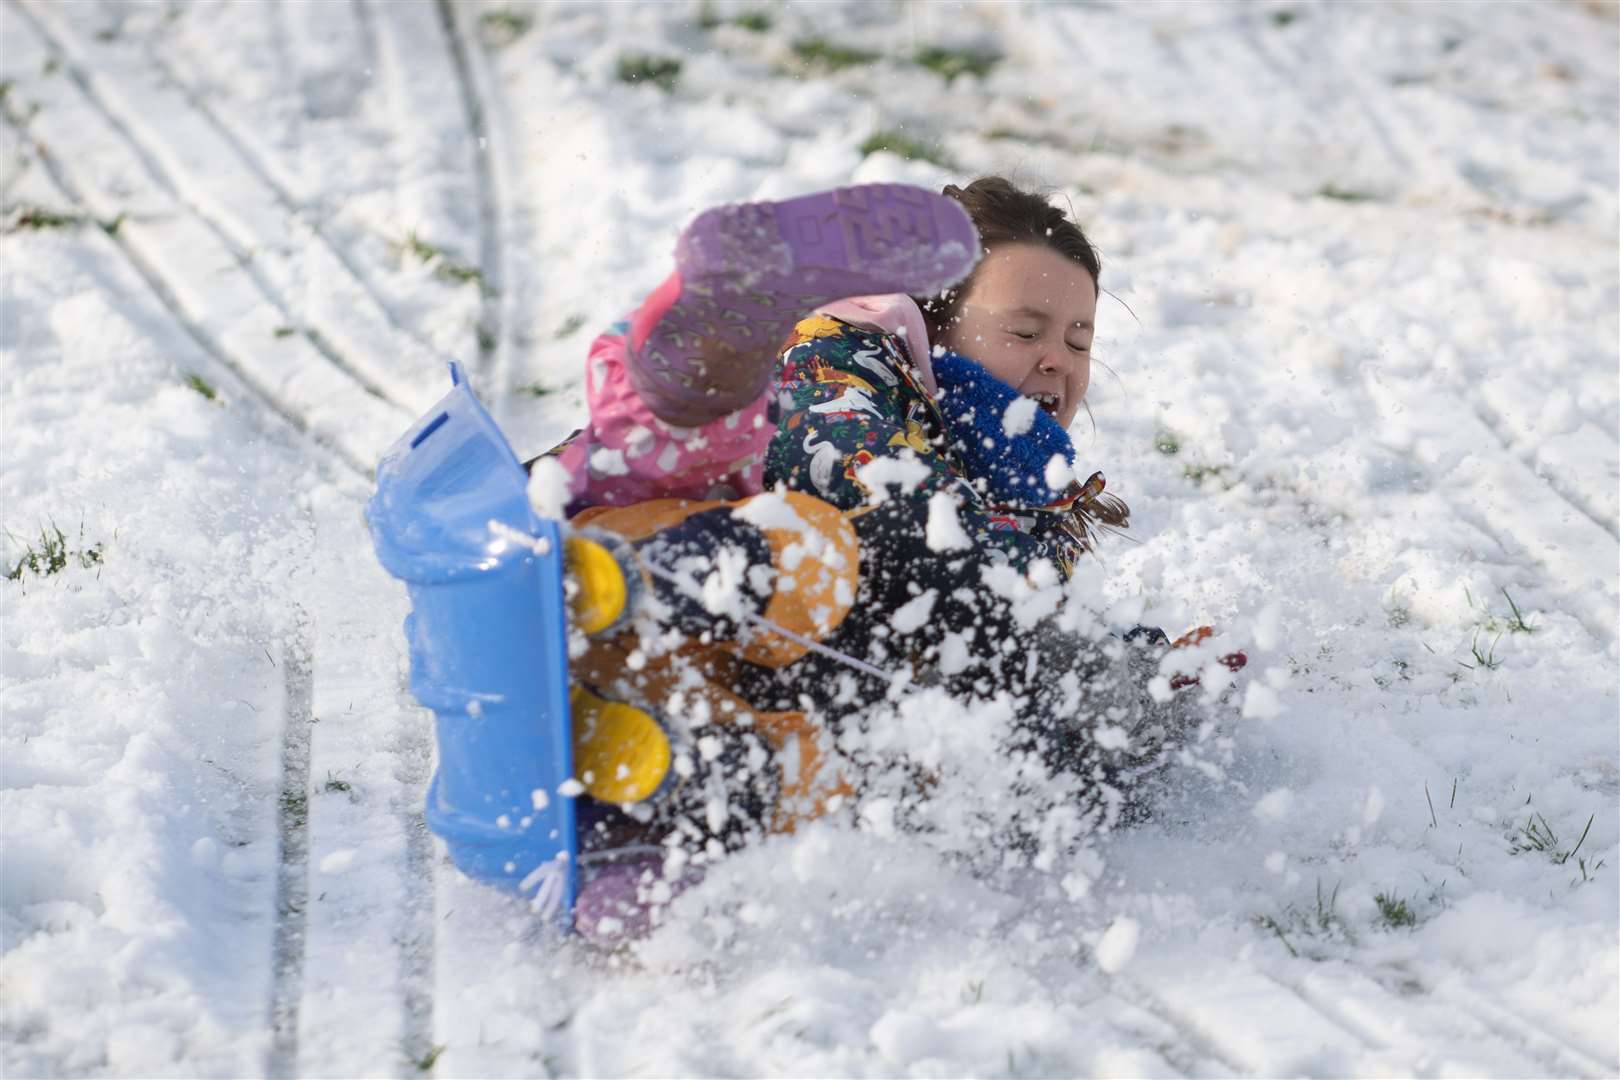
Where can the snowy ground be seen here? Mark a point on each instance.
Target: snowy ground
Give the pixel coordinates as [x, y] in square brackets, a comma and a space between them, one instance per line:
[1366, 414]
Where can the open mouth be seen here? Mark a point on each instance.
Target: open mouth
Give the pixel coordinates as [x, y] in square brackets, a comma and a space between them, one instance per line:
[1048, 402]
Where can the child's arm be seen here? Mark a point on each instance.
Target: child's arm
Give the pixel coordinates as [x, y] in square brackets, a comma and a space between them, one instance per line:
[859, 431]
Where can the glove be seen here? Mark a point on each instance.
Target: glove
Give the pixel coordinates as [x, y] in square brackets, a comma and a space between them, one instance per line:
[605, 580]
[1232, 661]
[610, 578]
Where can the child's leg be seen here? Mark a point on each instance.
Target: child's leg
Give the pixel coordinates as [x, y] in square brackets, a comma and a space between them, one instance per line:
[704, 343]
[677, 393]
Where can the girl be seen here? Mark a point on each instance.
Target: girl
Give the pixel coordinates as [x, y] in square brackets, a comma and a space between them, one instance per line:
[907, 445]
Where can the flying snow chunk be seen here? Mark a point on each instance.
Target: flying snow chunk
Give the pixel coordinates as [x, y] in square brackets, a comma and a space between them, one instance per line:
[878, 475]
[944, 530]
[1374, 808]
[1268, 627]
[1274, 805]
[1059, 473]
[771, 510]
[1260, 702]
[549, 488]
[1118, 945]
[338, 861]
[913, 613]
[608, 462]
[1019, 417]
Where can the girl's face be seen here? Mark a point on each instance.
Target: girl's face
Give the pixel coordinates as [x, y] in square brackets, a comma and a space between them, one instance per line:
[1028, 319]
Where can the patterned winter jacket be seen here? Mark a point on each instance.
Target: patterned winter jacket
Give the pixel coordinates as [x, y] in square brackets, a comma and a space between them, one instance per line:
[851, 396]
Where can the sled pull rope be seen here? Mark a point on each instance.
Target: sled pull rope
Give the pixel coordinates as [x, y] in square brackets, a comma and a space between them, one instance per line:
[798, 639]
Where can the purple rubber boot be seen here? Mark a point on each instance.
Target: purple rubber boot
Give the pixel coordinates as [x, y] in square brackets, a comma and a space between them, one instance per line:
[619, 899]
[704, 343]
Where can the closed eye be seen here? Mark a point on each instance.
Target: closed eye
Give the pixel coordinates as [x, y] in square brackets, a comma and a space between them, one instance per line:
[1022, 335]
[1078, 348]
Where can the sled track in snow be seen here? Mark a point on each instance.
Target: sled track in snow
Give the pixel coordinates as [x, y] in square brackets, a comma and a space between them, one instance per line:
[1577, 502]
[250, 388]
[234, 229]
[1205, 1050]
[292, 877]
[1559, 1054]
[489, 242]
[229, 133]
[418, 967]
[1392, 137]
[505, 288]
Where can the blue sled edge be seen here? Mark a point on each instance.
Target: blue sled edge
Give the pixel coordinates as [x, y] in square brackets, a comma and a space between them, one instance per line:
[488, 642]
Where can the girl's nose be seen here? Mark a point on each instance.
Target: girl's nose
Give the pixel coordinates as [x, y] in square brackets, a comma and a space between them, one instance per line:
[1050, 364]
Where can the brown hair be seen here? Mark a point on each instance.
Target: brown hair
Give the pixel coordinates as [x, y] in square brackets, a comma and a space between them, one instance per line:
[1006, 214]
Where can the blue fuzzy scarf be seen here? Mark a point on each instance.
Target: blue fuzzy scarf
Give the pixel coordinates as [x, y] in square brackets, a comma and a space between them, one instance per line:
[1012, 467]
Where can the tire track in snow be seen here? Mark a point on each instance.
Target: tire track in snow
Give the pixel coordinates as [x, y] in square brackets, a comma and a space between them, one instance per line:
[292, 878]
[239, 219]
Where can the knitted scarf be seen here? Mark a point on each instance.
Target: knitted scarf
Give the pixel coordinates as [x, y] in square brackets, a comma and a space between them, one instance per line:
[1012, 465]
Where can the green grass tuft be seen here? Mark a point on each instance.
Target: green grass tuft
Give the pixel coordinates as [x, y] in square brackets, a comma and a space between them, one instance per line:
[1333, 191]
[570, 326]
[426, 1062]
[949, 63]
[501, 28]
[52, 555]
[446, 268]
[661, 71]
[36, 217]
[1517, 624]
[536, 389]
[1395, 911]
[1321, 924]
[1486, 660]
[819, 52]
[201, 385]
[294, 808]
[1199, 473]
[1166, 443]
[754, 21]
[898, 142]
[283, 332]
[1537, 835]
[1283, 18]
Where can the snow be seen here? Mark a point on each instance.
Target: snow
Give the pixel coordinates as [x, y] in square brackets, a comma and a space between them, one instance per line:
[944, 531]
[1118, 944]
[1366, 415]
[1019, 417]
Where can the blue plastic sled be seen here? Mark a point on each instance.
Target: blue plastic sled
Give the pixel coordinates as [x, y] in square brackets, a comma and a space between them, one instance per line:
[488, 645]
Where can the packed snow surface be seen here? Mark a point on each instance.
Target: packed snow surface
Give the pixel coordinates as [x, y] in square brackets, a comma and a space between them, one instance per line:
[1360, 329]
